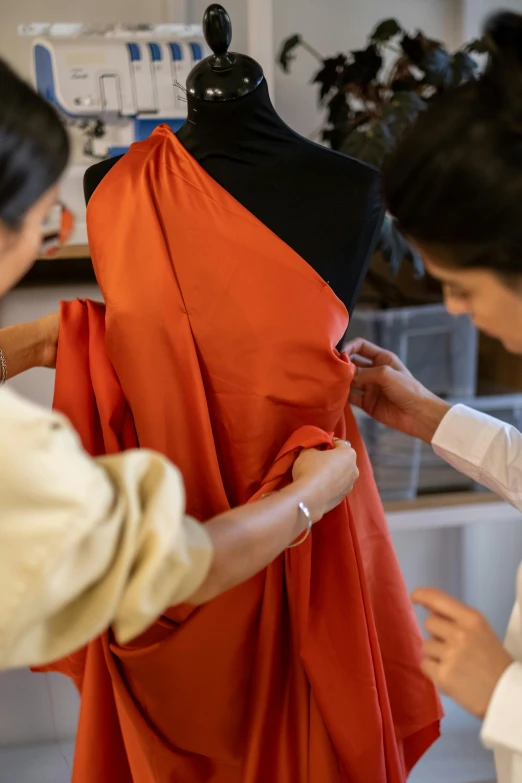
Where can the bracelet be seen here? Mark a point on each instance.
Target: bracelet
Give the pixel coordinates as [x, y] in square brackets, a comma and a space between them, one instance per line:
[308, 530]
[3, 368]
[304, 510]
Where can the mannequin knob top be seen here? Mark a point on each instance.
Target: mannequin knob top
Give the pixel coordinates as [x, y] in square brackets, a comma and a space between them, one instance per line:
[217, 28]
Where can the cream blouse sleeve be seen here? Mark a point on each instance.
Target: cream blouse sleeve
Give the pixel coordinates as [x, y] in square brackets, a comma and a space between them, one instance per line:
[85, 544]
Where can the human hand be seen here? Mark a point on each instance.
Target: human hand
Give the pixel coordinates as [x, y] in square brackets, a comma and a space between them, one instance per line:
[327, 476]
[48, 329]
[463, 656]
[386, 390]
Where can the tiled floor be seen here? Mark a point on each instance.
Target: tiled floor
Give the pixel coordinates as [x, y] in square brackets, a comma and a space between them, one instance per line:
[36, 764]
[457, 758]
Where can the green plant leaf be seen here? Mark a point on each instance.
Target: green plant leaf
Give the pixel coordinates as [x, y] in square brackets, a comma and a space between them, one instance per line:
[287, 53]
[395, 249]
[385, 31]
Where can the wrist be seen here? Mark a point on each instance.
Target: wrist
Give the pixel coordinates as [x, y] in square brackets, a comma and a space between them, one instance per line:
[38, 344]
[312, 494]
[429, 417]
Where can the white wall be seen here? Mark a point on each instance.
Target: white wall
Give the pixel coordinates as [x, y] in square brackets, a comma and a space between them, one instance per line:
[238, 14]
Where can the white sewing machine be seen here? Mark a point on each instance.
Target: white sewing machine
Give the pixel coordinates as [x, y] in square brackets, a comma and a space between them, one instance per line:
[129, 79]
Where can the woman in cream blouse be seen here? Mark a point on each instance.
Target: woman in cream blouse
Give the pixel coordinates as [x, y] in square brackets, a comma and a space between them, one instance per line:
[86, 543]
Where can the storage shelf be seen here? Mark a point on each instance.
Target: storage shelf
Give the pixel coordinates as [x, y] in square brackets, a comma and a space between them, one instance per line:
[444, 511]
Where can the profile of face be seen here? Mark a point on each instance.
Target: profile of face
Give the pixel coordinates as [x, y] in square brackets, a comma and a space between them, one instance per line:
[493, 302]
[20, 247]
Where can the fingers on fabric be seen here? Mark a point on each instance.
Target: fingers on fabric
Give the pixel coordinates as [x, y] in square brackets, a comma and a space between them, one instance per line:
[356, 397]
[363, 349]
[383, 375]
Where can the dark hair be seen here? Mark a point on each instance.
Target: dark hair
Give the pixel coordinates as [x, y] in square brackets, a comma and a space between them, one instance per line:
[454, 183]
[34, 147]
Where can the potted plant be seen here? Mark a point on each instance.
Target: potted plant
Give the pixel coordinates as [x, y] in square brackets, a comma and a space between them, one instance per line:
[371, 96]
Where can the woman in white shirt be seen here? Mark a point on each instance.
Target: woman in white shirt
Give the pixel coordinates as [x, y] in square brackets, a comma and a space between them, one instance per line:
[454, 186]
[86, 543]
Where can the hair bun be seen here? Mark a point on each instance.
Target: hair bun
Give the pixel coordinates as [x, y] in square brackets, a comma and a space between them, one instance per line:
[503, 36]
[502, 78]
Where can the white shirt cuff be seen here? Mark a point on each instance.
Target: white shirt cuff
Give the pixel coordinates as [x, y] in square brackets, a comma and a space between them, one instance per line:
[463, 438]
[502, 728]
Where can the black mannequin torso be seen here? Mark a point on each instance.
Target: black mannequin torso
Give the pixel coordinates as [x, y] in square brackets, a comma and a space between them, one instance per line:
[325, 206]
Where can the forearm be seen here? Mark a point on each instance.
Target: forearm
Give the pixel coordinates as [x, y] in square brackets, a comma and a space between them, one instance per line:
[249, 538]
[429, 417]
[23, 347]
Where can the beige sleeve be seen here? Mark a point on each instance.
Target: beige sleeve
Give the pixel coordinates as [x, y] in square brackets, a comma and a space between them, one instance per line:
[85, 544]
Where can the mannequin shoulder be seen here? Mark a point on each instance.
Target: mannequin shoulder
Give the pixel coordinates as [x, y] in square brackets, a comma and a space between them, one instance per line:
[339, 169]
[94, 175]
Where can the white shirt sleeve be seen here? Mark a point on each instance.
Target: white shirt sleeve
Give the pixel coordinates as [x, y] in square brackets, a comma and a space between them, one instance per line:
[85, 544]
[483, 448]
[502, 728]
[490, 452]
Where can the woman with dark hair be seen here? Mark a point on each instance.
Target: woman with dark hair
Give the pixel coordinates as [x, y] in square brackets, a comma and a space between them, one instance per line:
[454, 186]
[86, 543]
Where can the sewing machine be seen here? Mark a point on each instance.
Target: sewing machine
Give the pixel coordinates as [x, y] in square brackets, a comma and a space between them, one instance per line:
[121, 81]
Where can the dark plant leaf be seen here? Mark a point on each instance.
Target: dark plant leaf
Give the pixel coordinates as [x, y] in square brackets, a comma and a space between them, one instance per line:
[395, 249]
[330, 74]
[463, 67]
[477, 47]
[413, 48]
[338, 110]
[364, 68]
[287, 53]
[370, 145]
[334, 137]
[386, 30]
[402, 111]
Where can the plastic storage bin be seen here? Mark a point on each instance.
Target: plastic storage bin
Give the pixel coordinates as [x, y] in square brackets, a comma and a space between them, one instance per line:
[435, 475]
[395, 458]
[438, 348]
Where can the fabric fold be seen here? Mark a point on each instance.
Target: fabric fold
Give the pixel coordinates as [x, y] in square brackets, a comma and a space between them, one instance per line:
[216, 347]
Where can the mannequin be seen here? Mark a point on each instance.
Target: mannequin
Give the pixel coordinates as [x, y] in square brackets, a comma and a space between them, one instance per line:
[214, 346]
[325, 206]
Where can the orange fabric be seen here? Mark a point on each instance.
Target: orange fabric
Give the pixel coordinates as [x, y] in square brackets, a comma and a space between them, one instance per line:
[216, 348]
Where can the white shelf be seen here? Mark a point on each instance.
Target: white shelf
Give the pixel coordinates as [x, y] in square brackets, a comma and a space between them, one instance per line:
[448, 512]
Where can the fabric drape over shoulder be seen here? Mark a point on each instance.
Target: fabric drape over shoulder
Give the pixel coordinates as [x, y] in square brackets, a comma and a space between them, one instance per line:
[217, 348]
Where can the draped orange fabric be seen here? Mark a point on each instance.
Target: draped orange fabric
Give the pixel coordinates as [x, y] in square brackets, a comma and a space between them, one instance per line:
[216, 348]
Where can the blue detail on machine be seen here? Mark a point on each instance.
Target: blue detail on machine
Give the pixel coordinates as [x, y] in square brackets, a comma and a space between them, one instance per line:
[143, 128]
[197, 51]
[134, 52]
[142, 131]
[115, 152]
[155, 52]
[176, 51]
[45, 77]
